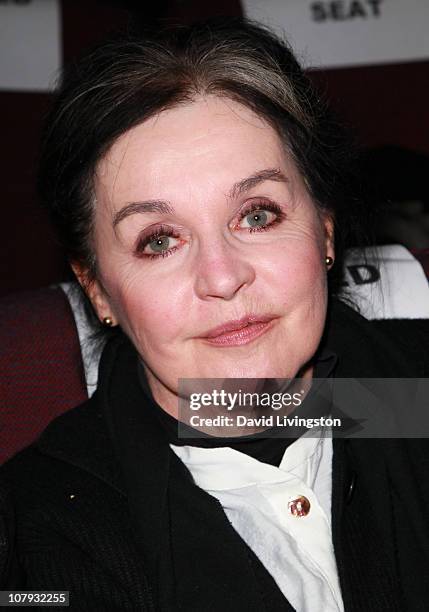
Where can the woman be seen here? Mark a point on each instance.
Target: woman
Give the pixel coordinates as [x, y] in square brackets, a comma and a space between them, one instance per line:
[201, 190]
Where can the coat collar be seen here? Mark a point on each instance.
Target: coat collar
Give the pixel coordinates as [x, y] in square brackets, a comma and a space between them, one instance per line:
[371, 349]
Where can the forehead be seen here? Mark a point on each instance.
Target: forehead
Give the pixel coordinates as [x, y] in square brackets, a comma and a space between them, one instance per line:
[191, 149]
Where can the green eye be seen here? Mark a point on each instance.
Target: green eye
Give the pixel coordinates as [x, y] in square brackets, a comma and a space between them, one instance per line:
[160, 244]
[260, 218]
[257, 218]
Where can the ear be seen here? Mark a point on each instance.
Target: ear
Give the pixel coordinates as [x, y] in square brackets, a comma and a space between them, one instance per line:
[329, 223]
[94, 291]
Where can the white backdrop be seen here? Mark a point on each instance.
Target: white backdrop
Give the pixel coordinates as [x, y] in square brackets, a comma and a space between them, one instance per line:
[348, 32]
[30, 44]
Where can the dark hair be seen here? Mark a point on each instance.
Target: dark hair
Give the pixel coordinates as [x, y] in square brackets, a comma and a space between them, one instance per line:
[128, 79]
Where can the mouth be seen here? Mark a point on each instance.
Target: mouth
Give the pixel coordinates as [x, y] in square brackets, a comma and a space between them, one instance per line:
[239, 332]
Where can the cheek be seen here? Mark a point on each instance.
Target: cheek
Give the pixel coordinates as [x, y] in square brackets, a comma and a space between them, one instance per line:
[297, 272]
[150, 313]
[310, 272]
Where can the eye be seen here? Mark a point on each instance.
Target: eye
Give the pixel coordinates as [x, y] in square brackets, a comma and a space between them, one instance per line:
[260, 217]
[161, 243]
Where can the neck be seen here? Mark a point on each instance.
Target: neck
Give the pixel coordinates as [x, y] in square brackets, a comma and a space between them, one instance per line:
[168, 399]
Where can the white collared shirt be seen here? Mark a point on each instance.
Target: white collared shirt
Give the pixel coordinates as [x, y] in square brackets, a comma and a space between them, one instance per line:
[296, 550]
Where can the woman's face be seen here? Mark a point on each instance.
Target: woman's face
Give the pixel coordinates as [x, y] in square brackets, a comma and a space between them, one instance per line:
[202, 219]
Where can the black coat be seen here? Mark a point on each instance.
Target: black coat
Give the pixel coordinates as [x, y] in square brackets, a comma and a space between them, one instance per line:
[104, 509]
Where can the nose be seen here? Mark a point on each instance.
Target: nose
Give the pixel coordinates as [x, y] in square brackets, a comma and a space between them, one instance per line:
[221, 271]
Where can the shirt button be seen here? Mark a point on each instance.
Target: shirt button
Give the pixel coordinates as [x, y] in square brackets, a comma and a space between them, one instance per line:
[299, 506]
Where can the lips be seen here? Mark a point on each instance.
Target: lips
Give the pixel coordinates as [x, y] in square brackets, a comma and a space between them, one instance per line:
[240, 331]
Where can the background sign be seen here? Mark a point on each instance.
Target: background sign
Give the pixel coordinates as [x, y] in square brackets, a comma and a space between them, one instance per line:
[338, 33]
[30, 44]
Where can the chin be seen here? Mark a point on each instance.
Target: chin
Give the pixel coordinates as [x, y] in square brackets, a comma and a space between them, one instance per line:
[254, 371]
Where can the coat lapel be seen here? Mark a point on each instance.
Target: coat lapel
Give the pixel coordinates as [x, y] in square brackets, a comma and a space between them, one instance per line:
[141, 450]
[80, 437]
[362, 528]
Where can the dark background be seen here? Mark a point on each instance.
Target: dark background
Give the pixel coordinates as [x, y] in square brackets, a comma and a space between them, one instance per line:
[384, 105]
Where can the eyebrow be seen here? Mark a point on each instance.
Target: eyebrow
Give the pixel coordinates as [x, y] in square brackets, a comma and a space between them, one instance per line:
[163, 207]
[158, 206]
[269, 174]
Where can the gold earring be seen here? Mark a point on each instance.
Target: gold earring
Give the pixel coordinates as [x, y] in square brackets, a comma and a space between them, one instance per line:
[329, 260]
[108, 321]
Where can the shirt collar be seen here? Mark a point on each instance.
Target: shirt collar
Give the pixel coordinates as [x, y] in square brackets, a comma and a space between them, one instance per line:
[224, 468]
